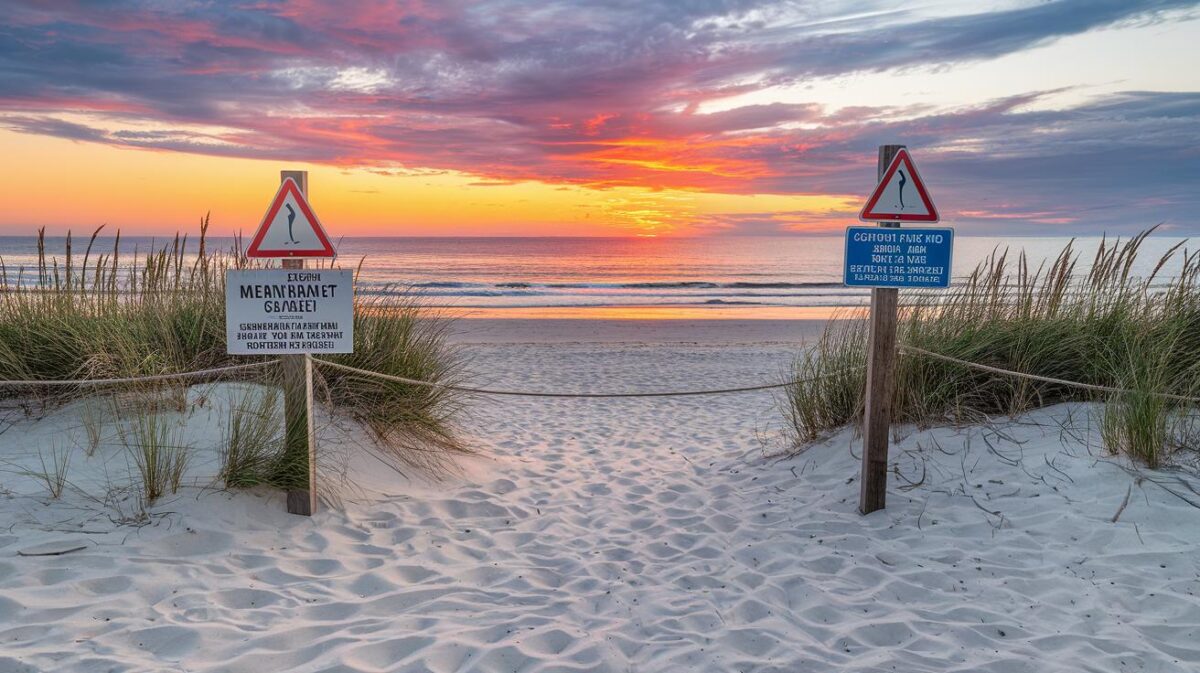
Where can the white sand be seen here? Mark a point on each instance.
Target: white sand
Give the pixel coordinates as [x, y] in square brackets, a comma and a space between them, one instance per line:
[625, 535]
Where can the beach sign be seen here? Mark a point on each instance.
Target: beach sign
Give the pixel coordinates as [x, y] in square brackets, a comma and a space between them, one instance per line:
[289, 311]
[884, 258]
[894, 257]
[290, 228]
[901, 195]
[293, 313]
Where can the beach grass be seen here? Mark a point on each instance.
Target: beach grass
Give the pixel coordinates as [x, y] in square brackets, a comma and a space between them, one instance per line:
[113, 314]
[829, 381]
[87, 313]
[1096, 324]
[159, 452]
[92, 420]
[252, 439]
[401, 339]
[53, 473]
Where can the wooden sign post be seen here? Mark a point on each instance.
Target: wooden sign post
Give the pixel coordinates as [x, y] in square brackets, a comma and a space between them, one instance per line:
[881, 375]
[298, 399]
[292, 313]
[886, 261]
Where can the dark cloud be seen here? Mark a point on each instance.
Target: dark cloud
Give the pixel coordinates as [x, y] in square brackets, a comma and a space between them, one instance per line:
[48, 126]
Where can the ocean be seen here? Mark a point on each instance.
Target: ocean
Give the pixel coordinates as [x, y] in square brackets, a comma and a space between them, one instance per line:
[770, 277]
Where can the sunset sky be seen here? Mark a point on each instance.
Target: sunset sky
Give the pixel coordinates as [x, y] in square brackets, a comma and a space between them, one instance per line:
[648, 117]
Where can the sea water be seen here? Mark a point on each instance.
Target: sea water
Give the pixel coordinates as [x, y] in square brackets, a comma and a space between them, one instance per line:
[520, 277]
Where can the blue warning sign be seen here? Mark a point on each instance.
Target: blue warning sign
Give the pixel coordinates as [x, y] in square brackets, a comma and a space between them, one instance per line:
[898, 257]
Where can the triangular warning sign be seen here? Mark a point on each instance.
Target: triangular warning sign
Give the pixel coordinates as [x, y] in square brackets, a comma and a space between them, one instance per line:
[290, 229]
[901, 195]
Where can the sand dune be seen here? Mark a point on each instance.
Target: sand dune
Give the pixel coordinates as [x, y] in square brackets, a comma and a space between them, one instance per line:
[628, 535]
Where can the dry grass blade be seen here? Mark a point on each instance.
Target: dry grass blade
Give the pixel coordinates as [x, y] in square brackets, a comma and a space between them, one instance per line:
[54, 475]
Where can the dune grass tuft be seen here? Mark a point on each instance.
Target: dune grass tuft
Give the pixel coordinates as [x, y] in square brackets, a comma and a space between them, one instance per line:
[829, 381]
[54, 472]
[1102, 326]
[398, 338]
[92, 419]
[252, 439]
[114, 314]
[159, 452]
[110, 312]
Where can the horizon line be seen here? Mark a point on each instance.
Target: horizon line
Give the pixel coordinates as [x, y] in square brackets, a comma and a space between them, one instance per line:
[835, 233]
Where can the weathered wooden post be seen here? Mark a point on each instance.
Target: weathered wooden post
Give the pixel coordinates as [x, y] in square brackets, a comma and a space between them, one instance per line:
[299, 444]
[298, 428]
[881, 376]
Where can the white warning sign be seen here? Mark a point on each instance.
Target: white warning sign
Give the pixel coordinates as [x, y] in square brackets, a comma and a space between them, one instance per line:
[289, 311]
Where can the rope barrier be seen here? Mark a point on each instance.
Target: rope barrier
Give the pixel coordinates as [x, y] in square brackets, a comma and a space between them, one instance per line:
[526, 393]
[137, 379]
[1043, 379]
[911, 350]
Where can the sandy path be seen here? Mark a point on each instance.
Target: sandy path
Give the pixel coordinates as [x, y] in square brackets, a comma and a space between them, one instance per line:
[643, 535]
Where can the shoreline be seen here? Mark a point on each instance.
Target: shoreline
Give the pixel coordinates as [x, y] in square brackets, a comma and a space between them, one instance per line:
[706, 331]
[648, 312]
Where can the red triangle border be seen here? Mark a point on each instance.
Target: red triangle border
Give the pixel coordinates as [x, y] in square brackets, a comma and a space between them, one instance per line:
[902, 156]
[289, 185]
